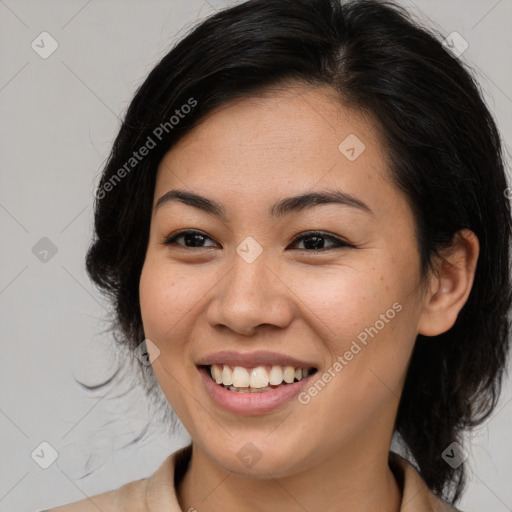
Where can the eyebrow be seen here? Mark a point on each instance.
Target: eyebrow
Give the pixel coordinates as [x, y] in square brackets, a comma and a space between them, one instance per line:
[280, 209]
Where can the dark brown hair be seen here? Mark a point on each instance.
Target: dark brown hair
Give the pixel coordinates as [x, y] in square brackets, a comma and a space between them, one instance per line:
[444, 154]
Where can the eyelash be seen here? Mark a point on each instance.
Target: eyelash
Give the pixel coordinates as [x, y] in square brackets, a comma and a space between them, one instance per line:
[339, 243]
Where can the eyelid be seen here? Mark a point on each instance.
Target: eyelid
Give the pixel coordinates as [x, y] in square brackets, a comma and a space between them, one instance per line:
[337, 241]
[167, 240]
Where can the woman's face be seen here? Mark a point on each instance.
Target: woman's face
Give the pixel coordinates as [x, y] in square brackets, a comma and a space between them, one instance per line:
[258, 289]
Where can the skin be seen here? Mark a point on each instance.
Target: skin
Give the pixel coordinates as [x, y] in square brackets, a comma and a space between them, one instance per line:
[331, 454]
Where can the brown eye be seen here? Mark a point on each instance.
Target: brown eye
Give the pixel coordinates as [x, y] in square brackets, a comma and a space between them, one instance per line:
[314, 241]
[191, 239]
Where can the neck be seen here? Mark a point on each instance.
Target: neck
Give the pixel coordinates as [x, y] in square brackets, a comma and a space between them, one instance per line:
[352, 480]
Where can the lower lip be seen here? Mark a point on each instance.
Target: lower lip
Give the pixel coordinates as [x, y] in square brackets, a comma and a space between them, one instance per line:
[251, 403]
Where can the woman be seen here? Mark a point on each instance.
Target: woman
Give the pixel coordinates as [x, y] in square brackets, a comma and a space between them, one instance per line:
[304, 216]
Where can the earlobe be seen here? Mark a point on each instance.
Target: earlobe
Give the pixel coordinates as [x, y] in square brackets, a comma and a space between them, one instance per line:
[450, 285]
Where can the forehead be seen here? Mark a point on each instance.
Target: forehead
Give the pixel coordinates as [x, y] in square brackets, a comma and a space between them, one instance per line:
[284, 140]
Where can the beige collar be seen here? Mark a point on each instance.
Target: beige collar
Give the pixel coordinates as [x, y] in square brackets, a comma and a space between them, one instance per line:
[416, 496]
[154, 494]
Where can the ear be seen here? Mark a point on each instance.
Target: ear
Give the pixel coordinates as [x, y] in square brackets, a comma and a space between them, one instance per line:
[450, 284]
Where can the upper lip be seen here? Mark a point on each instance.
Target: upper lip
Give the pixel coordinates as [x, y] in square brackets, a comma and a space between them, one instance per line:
[253, 359]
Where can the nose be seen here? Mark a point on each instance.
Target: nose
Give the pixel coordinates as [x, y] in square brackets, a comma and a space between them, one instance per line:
[251, 295]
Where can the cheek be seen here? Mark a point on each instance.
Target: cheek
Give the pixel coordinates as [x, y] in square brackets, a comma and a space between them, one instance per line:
[165, 299]
[164, 305]
[155, 294]
[365, 320]
[343, 301]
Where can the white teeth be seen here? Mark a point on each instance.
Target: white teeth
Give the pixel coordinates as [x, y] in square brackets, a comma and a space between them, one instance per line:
[275, 376]
[249, 390]
[240, 377]
[227, 376]
[289, 374]
[258, 378]
[216, 372]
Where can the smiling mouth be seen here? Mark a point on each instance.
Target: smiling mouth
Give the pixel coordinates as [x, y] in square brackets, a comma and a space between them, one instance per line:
[255, 380]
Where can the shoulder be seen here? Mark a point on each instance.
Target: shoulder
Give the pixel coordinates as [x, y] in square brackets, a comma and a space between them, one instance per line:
[112, 501]
[416, 496]
[156, 492]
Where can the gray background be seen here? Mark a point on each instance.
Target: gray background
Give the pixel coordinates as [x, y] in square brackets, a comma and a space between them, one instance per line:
[58, 119]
